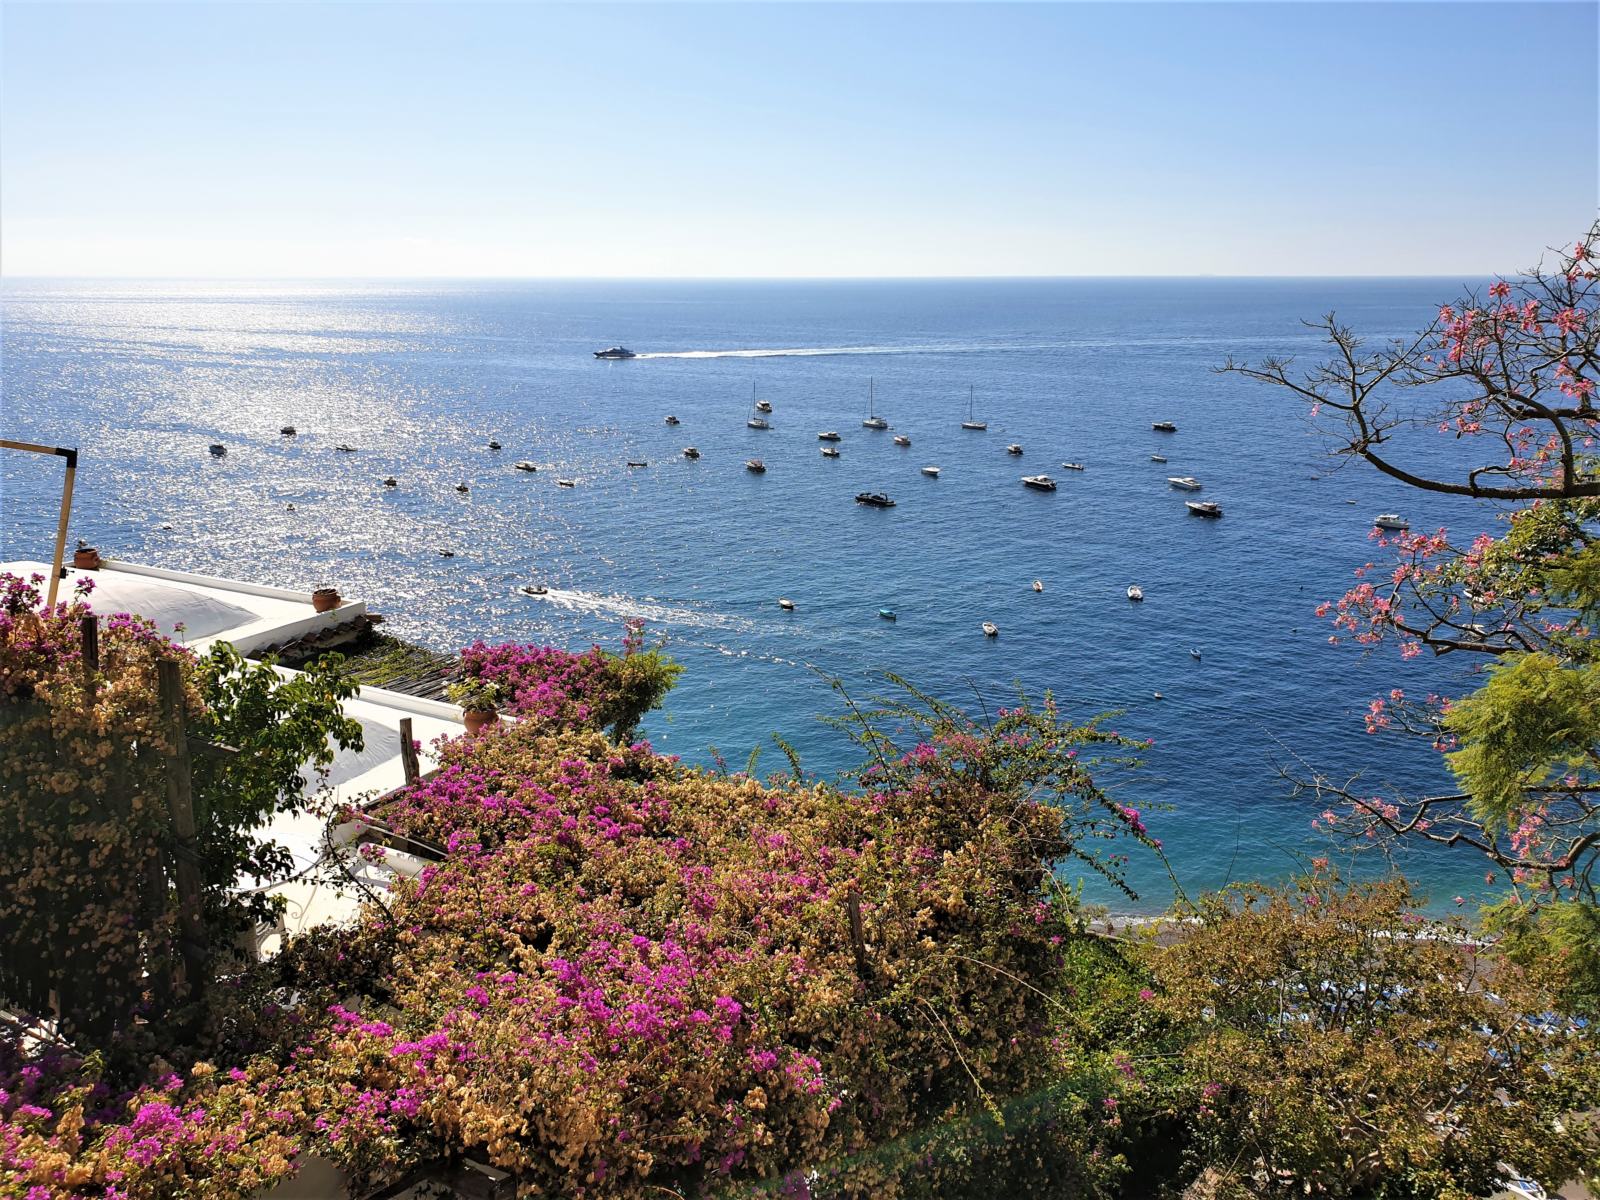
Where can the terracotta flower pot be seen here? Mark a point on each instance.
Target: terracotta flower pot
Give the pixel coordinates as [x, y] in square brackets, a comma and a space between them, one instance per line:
[325, 599]
[86, 558]
[476, 718]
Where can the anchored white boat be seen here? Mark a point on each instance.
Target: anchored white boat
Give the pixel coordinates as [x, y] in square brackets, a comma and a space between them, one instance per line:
[1072, 466]
[1038, 585]
[1203, 508]
[755, 466]
[1158, 458]
[566, 483]
[901, 439]
[931, 472]
[1042, 483]
[972, 422]
[525, 465]
[873, 421]
[1135, 592]
[828, 435]
[786, 604]
[1184, 483]
[830, 452]
[764, 406]
[1163, 427]
[1014, 448]
[1391, 521]
[990, 629]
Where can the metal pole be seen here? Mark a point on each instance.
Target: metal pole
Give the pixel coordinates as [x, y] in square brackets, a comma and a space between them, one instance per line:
[71, 455]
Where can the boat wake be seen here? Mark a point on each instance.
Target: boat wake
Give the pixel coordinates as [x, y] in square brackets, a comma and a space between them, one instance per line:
[649, 610]
[827, 351]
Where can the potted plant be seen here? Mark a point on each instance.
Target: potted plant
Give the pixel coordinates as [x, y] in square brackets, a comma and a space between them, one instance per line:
[85, 557]
[325, 599]
[479, 700]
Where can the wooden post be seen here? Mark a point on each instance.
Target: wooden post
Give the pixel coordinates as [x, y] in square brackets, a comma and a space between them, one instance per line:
[71, 455]
[89, 633]
[858, 941]
[408, 752]
[180, 807]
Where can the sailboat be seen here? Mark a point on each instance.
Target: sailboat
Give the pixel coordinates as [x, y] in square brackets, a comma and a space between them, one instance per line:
[873, 421]
[757, 421]
[971, 422]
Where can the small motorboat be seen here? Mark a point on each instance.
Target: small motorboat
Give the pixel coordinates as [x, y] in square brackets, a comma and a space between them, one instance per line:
[1184, 483]
[218, 449]
[462, 488]
[1157, 696]
[391, 482]
[690, 452]
[1194, 654]
[828, 435]
[887, 614]
[525, 465]
[615, 352]
[1135, 592]
[755, 466]
[901, 439]
[345, 448]
[672, 420]
[533, 589]
[874, 500]
[632, 462]
[931, 472]
[1040, 483]
[1391, 521]
[286, 508]
[567, 483]
[1038, 585]
[493, 445]
[786, 604]
[444, 553]
[1014, 448]
[1163, 427]
[830, 452]
[990, 629]
[1203, 508]
[287, 431]
[1072, 466]
[1161, 458]
[764, 406]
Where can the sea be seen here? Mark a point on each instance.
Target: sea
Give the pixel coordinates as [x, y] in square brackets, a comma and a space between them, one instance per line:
[1224, 665]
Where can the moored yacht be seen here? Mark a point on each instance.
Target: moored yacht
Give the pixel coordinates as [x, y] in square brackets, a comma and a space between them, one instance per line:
[1014, 448]
[1391, 521]
[1203, 508]
[873, 421]
[931, 472]
[764, 406]
[972, 422]
[1163, 427]
[1072, 466]
[874, 500]
[828, 435]
[1042, 483]
[901, 439]
[755, 466]
[1184, 483]
[757, 421]
[830, 452]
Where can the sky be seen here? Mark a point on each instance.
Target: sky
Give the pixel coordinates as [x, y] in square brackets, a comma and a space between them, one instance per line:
[779, 140]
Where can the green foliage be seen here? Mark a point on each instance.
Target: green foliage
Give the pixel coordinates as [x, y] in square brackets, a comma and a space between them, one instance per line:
[1533, 719]
[642, 680]
[476, 695]
[1560, 942]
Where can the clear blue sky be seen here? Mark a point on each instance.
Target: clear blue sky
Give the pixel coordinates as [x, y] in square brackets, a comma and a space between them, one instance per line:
[794, 140]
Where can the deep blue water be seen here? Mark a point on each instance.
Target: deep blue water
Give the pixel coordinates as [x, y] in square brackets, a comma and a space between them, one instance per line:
[143, 376]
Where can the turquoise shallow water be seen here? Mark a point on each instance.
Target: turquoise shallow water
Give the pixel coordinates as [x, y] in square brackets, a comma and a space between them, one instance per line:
[143, 376]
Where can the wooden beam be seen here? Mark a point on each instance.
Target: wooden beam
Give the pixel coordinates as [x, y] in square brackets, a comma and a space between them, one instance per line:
[408, 752]
[180, 809]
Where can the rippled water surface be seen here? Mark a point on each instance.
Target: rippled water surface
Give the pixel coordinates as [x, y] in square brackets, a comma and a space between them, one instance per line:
[144, 376]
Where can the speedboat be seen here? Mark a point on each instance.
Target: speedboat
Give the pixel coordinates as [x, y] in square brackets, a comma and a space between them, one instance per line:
[525, 465]
[830, 452]
[568, 483]
[445, 552]
[1135, 592]
[461, 487]
[344, 448]
[391, 482]
[1391, 521]
[615, 352]
[493, 445]
[1072, 466]
[218, 449]
[637, 463]
[873, 421]
[1184, 483]
[1161, 458]
[886, 613]
[533, 589]
[786, 604]
[874, 499]
[1041, 483]
[672, 420]
[828, 436]
[755, 466]
[1203, 508]
[690, 452]
[1014, 448]
[287, 431]
[764, 406]
[990, 629]
[1163, 427]
[1038, 585]
[901, 439]
[931, 472]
